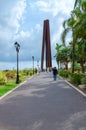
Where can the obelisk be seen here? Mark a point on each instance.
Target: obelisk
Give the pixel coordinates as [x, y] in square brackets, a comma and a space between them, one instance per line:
[46, 47]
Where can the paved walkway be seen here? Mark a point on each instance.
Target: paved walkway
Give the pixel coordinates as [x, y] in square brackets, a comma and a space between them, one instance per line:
[43, 104]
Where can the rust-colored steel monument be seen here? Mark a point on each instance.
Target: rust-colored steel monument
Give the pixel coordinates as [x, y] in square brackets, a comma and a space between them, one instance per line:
[46, 46]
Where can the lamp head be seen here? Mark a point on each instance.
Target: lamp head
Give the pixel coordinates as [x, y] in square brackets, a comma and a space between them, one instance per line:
[17, 46]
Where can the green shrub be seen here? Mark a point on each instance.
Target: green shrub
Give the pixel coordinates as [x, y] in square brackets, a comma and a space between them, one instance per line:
[83, 79]
[3, 79]
[75, 78]
[35, 70]
[10, 75]
[25, 72]
[77, 67]
[63, 73]
[31, 74]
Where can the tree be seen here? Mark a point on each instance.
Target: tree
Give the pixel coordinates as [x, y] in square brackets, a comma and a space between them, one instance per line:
[77, 3]
[58, 46]
[81, 54]
[80, 34]
[69, 26]
[77, 24]
[63, 55]
[81, 4]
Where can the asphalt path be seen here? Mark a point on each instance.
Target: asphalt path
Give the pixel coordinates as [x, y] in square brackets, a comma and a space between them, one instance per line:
[43, 104]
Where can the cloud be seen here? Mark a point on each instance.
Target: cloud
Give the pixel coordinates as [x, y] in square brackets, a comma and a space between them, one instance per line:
[10, 15]
[23, 35]
[22, 21]
[38, 27]
[54, 7]
[17, 14]
[56, 36]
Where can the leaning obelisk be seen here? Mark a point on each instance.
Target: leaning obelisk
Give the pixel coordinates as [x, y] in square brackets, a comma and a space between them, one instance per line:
[46, 46]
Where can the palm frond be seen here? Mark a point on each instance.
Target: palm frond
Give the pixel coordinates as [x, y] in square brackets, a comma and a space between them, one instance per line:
[64, 34]
[64, 24]
[77, 3]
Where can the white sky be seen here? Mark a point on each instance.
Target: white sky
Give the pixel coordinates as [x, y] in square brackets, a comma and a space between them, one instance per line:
[22, 21]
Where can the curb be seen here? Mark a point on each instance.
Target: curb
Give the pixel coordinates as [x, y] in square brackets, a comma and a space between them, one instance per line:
[74, 87]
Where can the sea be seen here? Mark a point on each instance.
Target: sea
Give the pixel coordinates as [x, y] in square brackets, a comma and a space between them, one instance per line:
[23, 65]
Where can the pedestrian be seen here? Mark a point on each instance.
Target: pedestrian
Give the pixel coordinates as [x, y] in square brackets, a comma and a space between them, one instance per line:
[54, 73]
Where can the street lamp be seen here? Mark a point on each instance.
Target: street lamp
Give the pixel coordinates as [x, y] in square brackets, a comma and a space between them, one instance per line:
[38, 65]
[33, 63]
[17, 46]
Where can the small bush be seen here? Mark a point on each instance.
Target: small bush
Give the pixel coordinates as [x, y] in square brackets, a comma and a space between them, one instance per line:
[25, 72]
[75, 78]
[63, 73]
[10, 75]
[31, 74]
[77, 67]
[35, 70]
[83, 79]
[3, 79]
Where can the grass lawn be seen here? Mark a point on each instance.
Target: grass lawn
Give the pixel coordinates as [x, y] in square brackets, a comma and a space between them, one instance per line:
[10, 77]
[5, 88]
[10, 85]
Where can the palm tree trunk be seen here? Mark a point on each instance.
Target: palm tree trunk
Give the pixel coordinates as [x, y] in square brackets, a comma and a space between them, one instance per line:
[73, 57]
[66, 66]
[82, 66]
[58, 64]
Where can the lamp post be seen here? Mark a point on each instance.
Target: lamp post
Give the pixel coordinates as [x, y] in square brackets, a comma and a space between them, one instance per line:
[33, 63]
[17, 46]
[38, 65]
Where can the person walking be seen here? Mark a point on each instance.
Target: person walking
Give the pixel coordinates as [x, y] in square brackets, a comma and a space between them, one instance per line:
[55, 73]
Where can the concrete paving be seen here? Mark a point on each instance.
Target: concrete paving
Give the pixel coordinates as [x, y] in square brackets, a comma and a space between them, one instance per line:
[43, 104]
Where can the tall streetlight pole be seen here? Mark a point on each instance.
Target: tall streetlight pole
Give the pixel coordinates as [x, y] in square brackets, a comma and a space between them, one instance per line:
[17, 46]
[38, 65]
[33, 63]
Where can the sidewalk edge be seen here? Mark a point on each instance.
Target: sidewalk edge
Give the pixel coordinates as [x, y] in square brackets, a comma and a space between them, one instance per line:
[74, 87]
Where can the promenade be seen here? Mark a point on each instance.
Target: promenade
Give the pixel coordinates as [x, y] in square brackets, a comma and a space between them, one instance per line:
[43, 104]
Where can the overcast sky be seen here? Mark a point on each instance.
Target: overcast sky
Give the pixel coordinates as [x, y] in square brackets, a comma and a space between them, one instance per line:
[22, 21]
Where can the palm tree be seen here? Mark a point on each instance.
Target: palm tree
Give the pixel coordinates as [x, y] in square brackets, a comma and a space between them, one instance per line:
[81, 51]
[63, 55]
[80, 33]
[81, 4]
[58, 46]
[77, 24]
[77, 3]
[69, 26]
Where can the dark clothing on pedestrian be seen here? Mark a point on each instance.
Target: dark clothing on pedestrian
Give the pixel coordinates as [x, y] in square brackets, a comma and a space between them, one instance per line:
[54, 73]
